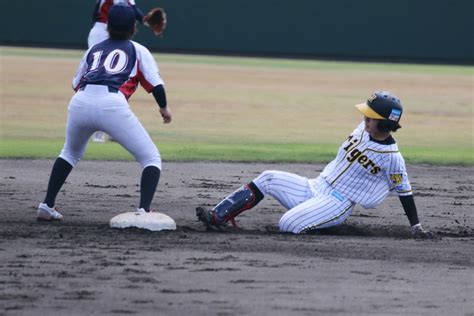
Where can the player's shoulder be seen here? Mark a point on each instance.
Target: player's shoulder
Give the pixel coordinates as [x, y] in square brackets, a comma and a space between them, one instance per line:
[359, 129]
[139, 47]
[388, 146]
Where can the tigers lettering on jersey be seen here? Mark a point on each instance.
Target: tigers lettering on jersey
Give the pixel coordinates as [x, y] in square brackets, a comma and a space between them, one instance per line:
[363, 160]
[362, 170]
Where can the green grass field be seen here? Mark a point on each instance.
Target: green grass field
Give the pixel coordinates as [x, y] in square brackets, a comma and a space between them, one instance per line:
[245, 109]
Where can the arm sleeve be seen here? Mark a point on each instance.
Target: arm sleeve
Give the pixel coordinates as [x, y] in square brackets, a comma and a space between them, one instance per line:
[398, 177]
[138, 14]
[160, 95]
[408, 203]
[95, 14]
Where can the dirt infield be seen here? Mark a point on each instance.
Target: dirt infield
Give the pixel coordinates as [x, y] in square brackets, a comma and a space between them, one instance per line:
[370, 265]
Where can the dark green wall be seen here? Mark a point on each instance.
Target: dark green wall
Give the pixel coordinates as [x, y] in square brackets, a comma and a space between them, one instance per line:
[418, 30]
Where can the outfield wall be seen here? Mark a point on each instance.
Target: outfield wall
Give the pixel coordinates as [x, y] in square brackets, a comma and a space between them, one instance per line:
[402, 30]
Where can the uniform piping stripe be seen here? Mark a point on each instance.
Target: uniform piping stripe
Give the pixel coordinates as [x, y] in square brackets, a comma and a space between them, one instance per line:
[353, 146]
[381, 152]
[406, 191]
[345, 156]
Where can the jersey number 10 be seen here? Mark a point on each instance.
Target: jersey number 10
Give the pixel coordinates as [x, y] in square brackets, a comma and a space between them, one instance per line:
[114, 63]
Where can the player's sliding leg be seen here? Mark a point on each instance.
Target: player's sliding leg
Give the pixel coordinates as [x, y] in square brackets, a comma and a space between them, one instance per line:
[238, 201]
[287, 188]
[321, 211]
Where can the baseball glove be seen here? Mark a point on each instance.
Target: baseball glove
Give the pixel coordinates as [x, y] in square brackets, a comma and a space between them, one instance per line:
[156, 20]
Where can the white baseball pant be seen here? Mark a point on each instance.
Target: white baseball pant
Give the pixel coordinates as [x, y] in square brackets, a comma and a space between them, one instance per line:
[311, 204]
[94, 109]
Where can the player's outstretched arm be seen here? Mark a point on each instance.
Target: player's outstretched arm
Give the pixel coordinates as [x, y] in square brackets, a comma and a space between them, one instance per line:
[138, 14]
[160, 97]
[417, 231]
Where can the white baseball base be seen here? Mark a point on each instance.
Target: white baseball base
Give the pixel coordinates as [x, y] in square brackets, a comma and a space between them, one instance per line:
[150, 221]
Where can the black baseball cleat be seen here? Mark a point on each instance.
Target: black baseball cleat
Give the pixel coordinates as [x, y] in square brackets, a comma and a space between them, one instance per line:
[207, 217]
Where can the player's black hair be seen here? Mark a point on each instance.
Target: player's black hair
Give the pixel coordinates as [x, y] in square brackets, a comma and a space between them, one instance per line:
[386, 126]
[120, 35]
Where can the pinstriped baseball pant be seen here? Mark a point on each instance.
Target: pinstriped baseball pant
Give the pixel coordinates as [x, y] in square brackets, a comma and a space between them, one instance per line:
[310, 205]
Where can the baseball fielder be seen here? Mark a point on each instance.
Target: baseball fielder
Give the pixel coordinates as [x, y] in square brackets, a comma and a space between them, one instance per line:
[367, 167]
[156, 19]
[108, 74]
[98, 32]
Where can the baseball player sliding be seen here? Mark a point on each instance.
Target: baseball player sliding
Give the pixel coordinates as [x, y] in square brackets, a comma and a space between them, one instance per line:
[108, 75]
[155, 19]
[367, 167]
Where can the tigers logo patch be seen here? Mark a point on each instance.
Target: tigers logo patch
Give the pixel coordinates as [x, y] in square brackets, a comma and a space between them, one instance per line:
[396, 178]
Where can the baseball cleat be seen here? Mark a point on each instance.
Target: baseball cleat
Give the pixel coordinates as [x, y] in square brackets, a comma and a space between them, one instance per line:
[142, 210]
[46, 213]
[208, 218]
[99, 137]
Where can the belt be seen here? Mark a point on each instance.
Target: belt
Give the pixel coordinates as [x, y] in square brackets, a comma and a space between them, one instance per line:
[111, 89]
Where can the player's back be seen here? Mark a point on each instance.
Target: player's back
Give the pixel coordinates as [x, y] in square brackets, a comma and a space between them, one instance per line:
[110, 63]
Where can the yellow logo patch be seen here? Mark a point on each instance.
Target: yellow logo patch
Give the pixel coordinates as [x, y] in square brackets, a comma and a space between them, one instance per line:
[372, 98]
[396, 178]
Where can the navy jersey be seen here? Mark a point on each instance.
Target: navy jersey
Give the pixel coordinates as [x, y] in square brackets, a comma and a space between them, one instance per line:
[110, 63]
[121, 64]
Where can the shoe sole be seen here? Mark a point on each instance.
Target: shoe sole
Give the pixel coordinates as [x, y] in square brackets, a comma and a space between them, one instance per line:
[203, 215]
[44, 219]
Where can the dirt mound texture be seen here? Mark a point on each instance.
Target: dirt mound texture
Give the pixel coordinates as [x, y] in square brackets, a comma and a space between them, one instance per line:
[369, 265]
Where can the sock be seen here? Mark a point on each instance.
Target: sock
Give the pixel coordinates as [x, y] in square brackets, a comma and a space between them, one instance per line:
[258, 194]
[59, 173]
[148, 184]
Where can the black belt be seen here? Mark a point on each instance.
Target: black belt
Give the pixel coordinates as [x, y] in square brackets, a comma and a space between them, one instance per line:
[111, 89]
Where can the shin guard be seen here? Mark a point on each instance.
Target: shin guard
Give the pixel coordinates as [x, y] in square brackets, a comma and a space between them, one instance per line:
[242, 199]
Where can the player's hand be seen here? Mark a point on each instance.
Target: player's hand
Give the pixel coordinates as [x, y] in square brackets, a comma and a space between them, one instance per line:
[418, 232]
[166, 115]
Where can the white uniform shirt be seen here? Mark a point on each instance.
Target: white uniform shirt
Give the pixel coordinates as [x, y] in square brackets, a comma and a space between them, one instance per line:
[365, 171]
